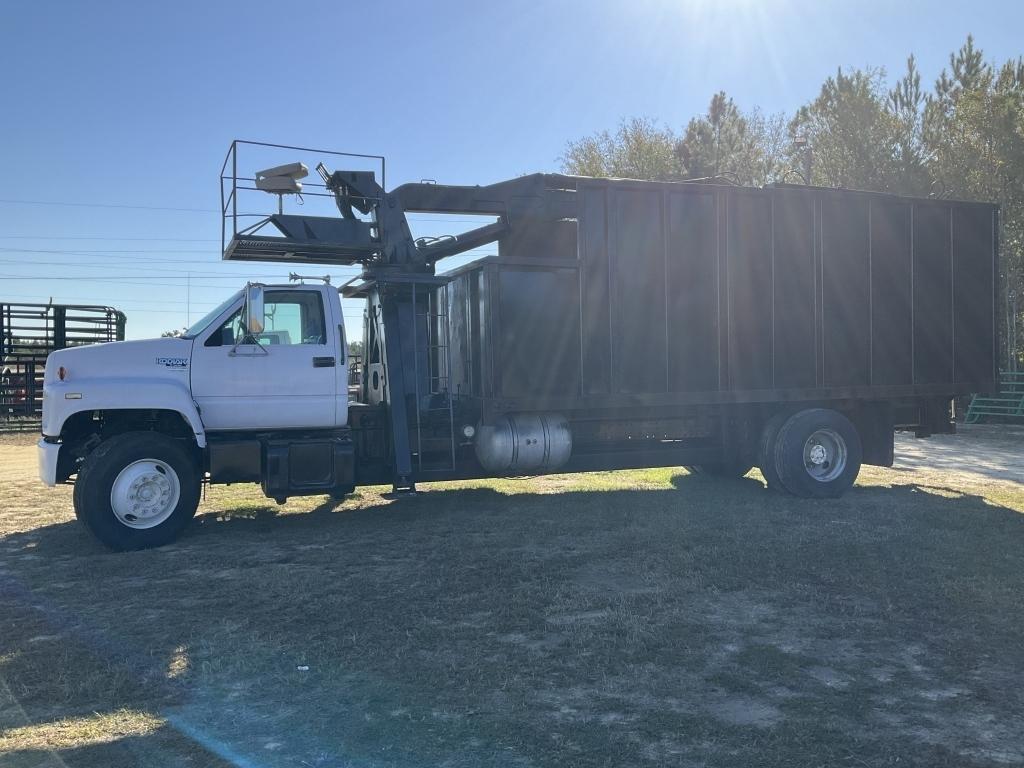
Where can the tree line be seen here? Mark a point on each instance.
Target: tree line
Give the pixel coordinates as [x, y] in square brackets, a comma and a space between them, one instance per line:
[963, 138]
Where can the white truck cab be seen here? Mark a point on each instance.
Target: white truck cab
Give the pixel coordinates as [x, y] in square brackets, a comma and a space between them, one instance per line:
[290, 375]
[142, 422]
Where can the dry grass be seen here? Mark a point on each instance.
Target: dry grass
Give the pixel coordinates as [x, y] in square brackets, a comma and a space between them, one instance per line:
[629, 618]
[77, 732]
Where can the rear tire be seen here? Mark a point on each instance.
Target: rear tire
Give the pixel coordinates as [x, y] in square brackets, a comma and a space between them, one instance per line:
[766, 451]
[817, 454]
[137, 490]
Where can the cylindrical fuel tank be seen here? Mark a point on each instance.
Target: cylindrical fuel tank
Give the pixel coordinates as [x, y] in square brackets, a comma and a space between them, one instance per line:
[523, 443]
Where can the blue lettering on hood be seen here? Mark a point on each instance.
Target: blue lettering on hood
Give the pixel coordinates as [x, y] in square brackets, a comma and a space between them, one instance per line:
[172, 362]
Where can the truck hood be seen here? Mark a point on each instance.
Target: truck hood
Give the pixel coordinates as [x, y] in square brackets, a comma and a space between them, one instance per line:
[152, 358]
[122, 374]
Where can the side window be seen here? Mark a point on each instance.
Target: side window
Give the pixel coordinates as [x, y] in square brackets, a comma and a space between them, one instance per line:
[293, 317]
[290, 317]
[229, 333]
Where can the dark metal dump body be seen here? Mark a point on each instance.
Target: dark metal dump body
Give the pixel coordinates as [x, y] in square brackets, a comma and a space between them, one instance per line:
[671, 294]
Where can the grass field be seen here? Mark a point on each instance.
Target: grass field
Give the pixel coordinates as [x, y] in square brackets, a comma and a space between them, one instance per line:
[647, 618]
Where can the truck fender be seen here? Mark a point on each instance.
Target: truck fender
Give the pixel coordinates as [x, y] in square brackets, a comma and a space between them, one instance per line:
[107, 393]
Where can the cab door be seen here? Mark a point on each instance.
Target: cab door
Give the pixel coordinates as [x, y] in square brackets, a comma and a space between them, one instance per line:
[285, 377]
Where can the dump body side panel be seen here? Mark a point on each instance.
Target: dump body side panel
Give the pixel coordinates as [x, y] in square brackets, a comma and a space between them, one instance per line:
[690, 293]
[933, 291]
[748, 253]
[973, 233]
[539, 338]
[845, 292]
[691, 285]
[794, 287]
[595, 299]
[892, 283]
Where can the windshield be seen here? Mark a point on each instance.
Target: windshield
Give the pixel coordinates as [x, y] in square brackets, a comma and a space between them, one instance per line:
[204, 322]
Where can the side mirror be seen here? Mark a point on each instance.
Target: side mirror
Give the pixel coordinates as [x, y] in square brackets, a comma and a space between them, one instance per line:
[253, 308]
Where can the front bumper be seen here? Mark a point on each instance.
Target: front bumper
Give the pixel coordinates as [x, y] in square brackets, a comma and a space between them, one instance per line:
[47, 455]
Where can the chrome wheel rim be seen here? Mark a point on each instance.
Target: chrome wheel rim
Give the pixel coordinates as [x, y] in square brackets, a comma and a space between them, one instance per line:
[825, 455]
[145, 493]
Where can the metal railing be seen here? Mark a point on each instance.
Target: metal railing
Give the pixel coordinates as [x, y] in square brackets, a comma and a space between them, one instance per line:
[438, 415]
[236, 186]
[1007, 404]
[30, 332]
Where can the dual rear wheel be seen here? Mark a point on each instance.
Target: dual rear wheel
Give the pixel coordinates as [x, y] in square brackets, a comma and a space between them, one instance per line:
[814, 453]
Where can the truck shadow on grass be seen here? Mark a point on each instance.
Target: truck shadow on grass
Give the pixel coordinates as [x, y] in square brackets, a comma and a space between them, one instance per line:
[703, 621]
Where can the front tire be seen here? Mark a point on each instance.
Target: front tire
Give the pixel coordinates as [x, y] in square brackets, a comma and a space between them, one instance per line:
[138, 490]
[817, 454]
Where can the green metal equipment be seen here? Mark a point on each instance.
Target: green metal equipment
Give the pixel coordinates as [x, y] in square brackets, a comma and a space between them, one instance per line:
[1007, 404]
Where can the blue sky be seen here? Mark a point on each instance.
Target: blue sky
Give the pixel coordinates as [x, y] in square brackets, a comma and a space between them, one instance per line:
[134, 104]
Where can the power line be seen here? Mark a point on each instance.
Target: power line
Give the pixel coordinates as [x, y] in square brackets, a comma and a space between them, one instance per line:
[146, 260]
[56, 298]
[165, 281]
[175, 267]
[169, 281]
[129, 311]
[145, 269]
[108, 250]
[208, 262]
[113, 239]
[160, 280]
[59, 299]
[108, 205]
[76, 204]
[128, 260]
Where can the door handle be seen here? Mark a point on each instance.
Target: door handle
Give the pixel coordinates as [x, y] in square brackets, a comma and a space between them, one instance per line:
[323, 362]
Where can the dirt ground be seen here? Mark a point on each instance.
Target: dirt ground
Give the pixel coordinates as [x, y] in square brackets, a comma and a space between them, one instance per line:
[647, 618]
[979, 452]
